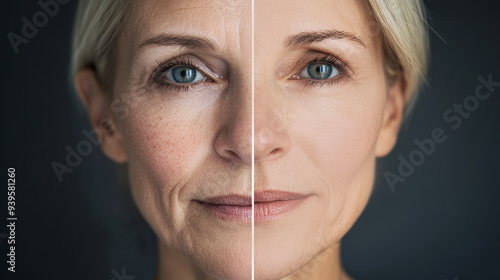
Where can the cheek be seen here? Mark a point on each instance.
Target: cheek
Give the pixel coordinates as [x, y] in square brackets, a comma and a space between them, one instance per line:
[338, 136]
[336, 139]
[165, 145]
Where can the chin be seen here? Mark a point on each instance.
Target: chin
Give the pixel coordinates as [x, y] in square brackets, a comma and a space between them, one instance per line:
[229, 265]
[286, 244]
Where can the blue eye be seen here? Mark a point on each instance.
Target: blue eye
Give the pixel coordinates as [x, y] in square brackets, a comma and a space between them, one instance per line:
[319, 71]
[184, 75]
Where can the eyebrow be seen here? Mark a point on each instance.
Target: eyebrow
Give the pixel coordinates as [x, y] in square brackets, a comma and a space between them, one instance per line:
[307, 38]
[186, 41]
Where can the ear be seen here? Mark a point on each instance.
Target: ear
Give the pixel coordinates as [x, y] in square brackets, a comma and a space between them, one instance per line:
[392, 119]
[98, 106]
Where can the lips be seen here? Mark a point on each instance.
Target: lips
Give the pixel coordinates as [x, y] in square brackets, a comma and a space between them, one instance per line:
[230, 207]
[272, 205]
[268, 206]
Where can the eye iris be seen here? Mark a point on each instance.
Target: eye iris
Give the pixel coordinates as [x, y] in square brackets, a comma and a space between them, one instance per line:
[320, 71]
[184, 74]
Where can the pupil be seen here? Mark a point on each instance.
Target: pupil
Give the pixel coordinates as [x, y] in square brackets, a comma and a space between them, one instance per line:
[320, 71]
[184, 74]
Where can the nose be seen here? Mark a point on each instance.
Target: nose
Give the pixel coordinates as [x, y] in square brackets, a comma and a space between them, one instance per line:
[271, 122]
[271, 137]
[234, 140]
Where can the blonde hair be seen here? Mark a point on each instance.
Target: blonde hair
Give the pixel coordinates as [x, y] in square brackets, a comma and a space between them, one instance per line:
[95, 36]
[405, 41]
[402, 25]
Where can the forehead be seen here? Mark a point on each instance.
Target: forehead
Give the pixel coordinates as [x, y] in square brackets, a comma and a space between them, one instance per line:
[277, 19]
[220, 20]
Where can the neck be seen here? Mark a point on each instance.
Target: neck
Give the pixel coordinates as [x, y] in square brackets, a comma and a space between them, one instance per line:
[325, 266]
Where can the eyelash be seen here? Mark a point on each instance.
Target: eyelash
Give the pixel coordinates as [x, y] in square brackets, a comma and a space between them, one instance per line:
[333, 60]
[159, 71]
[157, 77]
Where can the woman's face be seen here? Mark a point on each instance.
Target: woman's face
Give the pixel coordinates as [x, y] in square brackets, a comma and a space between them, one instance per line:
[322, 112]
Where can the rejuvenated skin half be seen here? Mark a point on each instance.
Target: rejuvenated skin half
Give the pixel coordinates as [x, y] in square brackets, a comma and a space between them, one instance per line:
[318, 138]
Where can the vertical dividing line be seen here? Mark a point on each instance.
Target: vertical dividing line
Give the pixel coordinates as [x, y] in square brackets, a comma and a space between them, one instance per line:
[253, 141]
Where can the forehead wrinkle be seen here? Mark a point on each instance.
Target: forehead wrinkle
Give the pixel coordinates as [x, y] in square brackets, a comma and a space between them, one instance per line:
[228, 21]
[150, 18]
[186, 41]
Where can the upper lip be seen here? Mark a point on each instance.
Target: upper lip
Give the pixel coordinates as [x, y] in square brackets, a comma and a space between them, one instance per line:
[259, 197]
[232, 199]
[275, 195]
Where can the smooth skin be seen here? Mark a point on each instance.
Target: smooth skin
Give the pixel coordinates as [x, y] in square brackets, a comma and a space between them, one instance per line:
[187, 142]
[318, 138]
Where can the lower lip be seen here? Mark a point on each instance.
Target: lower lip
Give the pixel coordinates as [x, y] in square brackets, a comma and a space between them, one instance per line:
[273, 210]
[230, 212]
[264, 211]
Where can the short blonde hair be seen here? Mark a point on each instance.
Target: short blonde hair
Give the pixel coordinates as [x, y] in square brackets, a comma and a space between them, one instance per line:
[405, 41]
[402, 25]
[95, 36]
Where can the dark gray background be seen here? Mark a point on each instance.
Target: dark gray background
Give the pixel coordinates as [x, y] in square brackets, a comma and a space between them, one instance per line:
[441, 223]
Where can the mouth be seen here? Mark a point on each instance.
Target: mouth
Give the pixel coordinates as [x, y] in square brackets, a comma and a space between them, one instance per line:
[268, 206]
[272, 205]
[229, 207]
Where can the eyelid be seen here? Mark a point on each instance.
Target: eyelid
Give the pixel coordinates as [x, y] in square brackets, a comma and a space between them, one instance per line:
[157, 77]
[170, 64]
[322, 58]
[313, 57]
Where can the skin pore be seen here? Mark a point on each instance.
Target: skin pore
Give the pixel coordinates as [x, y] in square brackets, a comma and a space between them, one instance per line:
[188, 142]
[184, 143]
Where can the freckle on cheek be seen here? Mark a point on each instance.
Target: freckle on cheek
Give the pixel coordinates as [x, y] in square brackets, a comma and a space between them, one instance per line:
[161, 146]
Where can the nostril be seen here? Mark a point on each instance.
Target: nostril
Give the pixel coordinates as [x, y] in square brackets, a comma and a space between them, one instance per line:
[275, 151]
[232, 154]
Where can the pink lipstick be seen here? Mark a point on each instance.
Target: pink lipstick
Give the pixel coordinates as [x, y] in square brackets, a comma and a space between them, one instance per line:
[230, 207]
[271, 205]
[268, 205]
